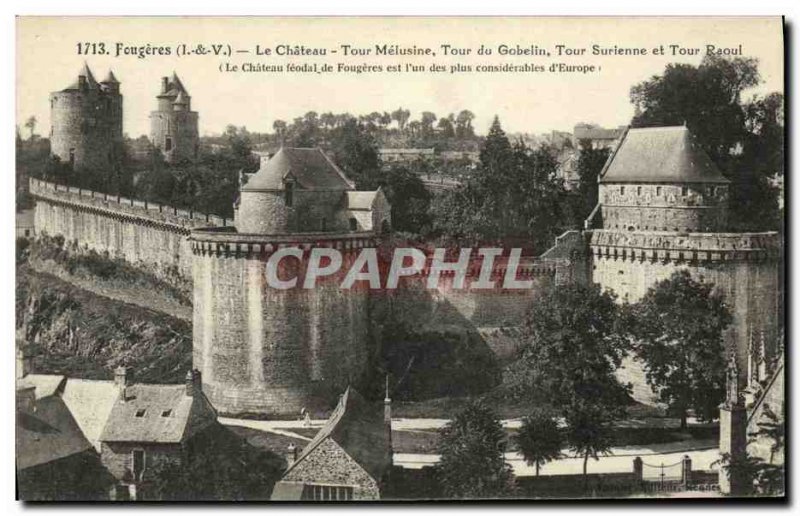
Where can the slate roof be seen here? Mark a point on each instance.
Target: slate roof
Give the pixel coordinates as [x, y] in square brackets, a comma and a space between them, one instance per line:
[111, 78]
[48, 434]
[45, 384]
[157, 414]
[660, 155]
[357, 426]
[310, 168]
[90, 402]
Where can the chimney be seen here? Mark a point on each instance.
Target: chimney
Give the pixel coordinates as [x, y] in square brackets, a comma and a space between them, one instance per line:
[194, 383]
[82, 82]
[164, 84]
[291, 455]
[26, 399]
[123, 378]
[24, 362]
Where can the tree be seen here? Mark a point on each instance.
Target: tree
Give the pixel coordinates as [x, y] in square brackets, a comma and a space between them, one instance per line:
[678, 336]
[472, 447]
[409, 198]
[446, 126]
[279, 126]
[427, 119]
[30, 124]
[573, 341]
[744, 138]
[588, 431]
[539, 439]
[590, 164]
[464, 127]
[401, 116]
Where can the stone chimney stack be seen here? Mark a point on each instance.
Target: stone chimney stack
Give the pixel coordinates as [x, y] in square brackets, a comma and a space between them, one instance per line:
[82, 84]
[164, 84]
[123, 378]
[291, 455]
[194, 383]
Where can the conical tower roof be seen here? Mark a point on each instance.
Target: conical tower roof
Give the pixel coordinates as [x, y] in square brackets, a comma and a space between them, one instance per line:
[111, 78]
[85, 72]
[181, 98]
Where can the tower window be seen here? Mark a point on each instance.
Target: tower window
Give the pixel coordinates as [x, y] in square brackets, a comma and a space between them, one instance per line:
[622, 190]
[72, 156]
[638, 190]
[684, 191]
[168, 144]
[353, 224]
[658, 190]
[712, 191]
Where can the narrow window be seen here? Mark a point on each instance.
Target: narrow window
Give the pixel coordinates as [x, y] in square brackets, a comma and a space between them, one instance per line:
[658, 190]
[289, 194]
[638, 190]
[684, 191]
[138, 464]
[622, 190]
[168, 144]
[323, 224]
[353, 224]
[712, 191]
[72, 156]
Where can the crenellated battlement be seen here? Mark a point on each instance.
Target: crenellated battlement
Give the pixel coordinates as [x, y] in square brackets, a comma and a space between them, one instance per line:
[683, 247]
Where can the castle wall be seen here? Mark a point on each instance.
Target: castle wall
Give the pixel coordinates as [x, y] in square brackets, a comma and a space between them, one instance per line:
[743, 266]
[266, 212]
[85, 124]
[147, 233]
[273, 351]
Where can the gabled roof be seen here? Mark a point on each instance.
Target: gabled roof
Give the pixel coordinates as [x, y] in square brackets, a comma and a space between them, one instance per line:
[311, 169]
[90, 402]
[660, 155]
[157, 414]
[358, 428]
[45, 384]
[48, 434]
[588, 132]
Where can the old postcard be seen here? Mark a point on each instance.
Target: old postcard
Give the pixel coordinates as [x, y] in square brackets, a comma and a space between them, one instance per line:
[397, 259]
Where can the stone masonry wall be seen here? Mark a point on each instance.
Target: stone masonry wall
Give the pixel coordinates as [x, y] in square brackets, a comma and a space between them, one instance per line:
[135, 230]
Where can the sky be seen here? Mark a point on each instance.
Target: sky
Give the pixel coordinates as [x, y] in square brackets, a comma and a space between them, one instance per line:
[48, 60]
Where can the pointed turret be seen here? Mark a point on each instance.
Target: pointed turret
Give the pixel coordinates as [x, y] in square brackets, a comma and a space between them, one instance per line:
[110, 78]
[85, 79]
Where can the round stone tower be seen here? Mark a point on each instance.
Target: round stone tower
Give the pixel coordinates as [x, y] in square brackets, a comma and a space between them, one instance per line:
[86, 121]
[663, 207]
[275, 351]
[173, 126]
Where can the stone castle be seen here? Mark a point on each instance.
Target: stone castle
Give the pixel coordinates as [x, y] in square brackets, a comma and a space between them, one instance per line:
[662, 207]
[87, 121]
[173, 126]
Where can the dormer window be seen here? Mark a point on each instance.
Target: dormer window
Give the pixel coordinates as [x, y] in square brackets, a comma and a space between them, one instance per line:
[288, 193]
[166, 413]
[141, 412]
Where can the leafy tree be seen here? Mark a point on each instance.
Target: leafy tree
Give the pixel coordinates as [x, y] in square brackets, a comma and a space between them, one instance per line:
[539, 439]
[573, 341]
[678, 334]
[401, 116]
[588, 430]
[472, 447]
[409, 198]
[464, 124]
[744, 138]
[590, 164]
[356, 152]
[30, 124]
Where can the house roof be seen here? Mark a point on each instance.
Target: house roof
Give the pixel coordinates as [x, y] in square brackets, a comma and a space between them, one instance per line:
[90, 402]
[157, 414]
[660, 155]
[48, 434]
[310, 168]
[44, 384]
[111, 78]
[358, 428]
